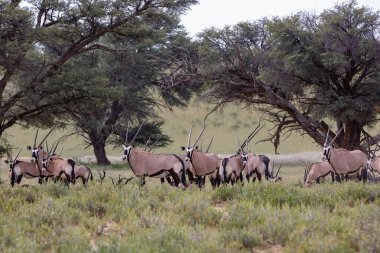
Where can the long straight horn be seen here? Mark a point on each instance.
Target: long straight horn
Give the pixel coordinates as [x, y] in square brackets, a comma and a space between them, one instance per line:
[17, 155]
[138, 131]
[209, 145]
[305, 173]
[188, 139]
[60, 153]
[51, 130]
[336, 135]
[196, 141]
[253, 134]
[147, 144]
[35, 137]
[239, 145]
[327, 136]
[279, 168]
[154, 143]
[126, 135]
[55, 148]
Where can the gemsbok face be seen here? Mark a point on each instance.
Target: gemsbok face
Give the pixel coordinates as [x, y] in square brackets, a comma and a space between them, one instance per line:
[127, 151]
[36, 149]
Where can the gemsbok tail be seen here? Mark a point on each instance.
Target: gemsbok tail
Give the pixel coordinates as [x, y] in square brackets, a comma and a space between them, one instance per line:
[224, 165]
[72, 175]
[183, 173]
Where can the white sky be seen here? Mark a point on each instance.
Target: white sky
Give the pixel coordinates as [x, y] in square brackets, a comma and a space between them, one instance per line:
[219, 13]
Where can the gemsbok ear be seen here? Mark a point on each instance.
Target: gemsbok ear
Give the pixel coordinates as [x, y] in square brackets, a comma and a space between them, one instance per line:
[51, 159]
[40, 148]
[6, 161]
[196, 147]
[28, 147]
[183, 148]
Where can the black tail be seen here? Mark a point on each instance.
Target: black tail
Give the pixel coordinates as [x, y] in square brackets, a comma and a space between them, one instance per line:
[183, 171]
[72, 175]
[224, 164]
[266, 161]
[90, 175]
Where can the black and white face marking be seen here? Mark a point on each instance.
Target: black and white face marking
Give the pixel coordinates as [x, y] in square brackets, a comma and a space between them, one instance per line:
[244, 157]
[34, 153]
[11, 164]
[326, 152]
[189, 151]
[127, 150]
[45, 164]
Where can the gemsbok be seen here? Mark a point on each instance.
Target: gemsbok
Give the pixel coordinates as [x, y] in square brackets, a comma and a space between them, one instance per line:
[317, 170]
[231, 168]
[203, 164]
[19, 169]
[144, 163]
[55, 166]
[343, 161]
[83, 172]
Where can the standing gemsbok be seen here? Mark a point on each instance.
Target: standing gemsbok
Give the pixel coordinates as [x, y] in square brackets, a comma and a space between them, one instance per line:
[56, 166]
[144, 163]
[231, 168]
[19, 169]
[203, 164]
[343, 161]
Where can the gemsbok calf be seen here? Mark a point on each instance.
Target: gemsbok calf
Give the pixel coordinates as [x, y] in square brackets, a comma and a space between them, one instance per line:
[144, 163]
[203, 164]
[343, 161]
[317, 170]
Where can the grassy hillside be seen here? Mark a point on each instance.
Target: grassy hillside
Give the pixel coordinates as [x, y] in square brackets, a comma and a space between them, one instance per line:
[225, 126]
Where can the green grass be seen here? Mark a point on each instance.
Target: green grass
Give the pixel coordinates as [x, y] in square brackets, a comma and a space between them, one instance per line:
[267, 217]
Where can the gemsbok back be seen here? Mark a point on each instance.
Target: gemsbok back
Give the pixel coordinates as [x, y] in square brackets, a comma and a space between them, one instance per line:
[144, 163]
[343, 161]
[203, 164]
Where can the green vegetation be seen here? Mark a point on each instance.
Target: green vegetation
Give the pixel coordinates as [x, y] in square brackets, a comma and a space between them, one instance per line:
[281, 217]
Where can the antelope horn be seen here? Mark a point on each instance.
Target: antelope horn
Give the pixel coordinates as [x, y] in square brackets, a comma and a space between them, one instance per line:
[55, 147]
[327, 136]
[279, 168]
[17, 155]
[51, 130]
[47, 147]
[138, 131]
[201, 145]
[126, 134]
[61, 151]
[240, 146]
[154, 143]
[306, 172]
[336, 135]
[196, 141]
[209, 145]
[188, 139]
[146, 144]
[253, 134]
[35, 137]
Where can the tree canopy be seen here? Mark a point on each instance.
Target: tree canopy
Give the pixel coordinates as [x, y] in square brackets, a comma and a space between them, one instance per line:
[301, 70]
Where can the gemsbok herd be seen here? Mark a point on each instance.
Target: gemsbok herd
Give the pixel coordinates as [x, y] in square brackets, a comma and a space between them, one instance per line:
[195, 165]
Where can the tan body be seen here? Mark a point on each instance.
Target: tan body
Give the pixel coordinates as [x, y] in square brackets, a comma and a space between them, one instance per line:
[204, 164]
[23, 169]
[231, 169]
[374, 164]
[346, 162]
[255, 165]
[83, 172]
[60, 167]
[318, 170]
[144, 163]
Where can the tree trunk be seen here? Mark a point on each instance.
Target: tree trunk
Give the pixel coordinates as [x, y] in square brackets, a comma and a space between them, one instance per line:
[351, 138]
[100, 151]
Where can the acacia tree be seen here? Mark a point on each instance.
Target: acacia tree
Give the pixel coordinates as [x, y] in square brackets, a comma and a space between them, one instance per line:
[147, 68]
[301, 70]
[39, 37]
